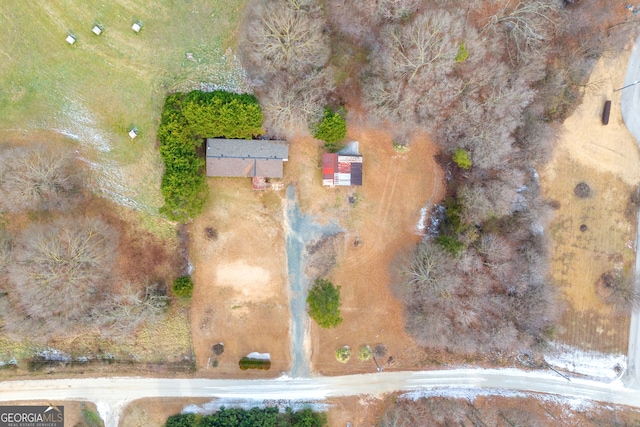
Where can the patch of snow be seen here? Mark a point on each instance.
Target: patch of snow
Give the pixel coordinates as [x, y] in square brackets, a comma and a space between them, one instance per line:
[77, 122]
[574, 403]
[281, 404]
[54, 355]
[8, 362]
[259, 356]
[351, 149]
[108, 182]
[104, 409]
[421, 226]
[591, 363]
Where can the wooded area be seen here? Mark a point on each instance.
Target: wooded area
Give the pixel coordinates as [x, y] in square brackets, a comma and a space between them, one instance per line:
[490, 81]
[61, 272]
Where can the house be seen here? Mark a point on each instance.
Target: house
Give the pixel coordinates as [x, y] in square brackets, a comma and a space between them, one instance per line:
[246, 157]
[341, 169]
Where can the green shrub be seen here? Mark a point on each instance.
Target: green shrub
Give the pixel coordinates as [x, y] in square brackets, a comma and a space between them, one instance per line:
[185, 120]
[250, 363]
[463, 53]
[343, 354]
[364, 353]
[183, 287]
[324, 303]
[91, 418]
[450, 244]
[222, 114]
[331, 129]
[461, 158]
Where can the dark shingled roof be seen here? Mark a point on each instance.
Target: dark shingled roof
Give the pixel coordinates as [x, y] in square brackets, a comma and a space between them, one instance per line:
[241, 148]
[248, 158]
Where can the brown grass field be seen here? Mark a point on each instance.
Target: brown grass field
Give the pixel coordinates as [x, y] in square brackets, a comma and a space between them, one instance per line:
[607, 159]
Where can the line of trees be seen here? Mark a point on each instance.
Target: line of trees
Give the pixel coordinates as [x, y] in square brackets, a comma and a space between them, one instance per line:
[254, 417]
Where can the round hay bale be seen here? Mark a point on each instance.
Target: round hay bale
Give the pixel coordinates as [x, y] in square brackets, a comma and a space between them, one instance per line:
[583, 227]
[582, 190]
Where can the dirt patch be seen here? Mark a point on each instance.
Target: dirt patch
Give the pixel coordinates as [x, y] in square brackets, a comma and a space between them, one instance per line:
[360, 411]
[379, 220]
[154, 412]
[240, 280]
[592, 175]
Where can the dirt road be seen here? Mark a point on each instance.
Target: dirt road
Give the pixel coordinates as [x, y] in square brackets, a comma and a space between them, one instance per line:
[112, 394]
[300, 230]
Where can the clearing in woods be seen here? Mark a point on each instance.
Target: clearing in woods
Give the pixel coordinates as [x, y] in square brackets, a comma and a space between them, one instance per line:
[594, 235]
[379, 220]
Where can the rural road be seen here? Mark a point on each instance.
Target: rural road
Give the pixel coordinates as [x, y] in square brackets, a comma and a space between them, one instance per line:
[630, 106]
[112, 394]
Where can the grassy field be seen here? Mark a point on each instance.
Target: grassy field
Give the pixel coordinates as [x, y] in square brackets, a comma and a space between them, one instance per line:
[95, 91]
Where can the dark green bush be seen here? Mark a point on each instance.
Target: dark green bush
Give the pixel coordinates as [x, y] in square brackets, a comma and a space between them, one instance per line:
[450, 244]
[331, 129]
[250, 363]
[324, 303]
[183, 287]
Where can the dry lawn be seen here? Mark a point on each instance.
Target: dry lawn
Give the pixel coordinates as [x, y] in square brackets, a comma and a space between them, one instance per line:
[383, 218]
[154, 412]
[607, 159]
[240, 295]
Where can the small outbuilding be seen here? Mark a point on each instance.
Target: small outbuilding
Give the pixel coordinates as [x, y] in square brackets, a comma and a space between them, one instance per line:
[96, 30]
[70, 39]
[136, 27]
[246, 157]
[133, 133]
[341, 169]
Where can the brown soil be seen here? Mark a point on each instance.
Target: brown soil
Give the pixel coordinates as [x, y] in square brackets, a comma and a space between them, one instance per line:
[240, 280]
[154, 412]
[593, 235]
[382, 222]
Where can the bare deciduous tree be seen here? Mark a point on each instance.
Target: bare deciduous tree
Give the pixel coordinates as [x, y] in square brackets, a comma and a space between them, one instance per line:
[284, 36]
[528, 25]
[61, 271]
[409, 82]
[624, 292]
[291, 105]
[36, 178]
[129, 308]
